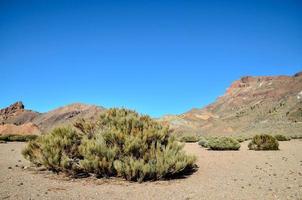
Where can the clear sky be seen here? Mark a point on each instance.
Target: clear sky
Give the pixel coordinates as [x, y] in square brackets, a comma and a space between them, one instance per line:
[157, 57]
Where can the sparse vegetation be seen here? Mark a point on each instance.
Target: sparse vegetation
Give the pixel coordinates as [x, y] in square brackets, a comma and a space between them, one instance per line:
[223, 143]
[264, 142]
[121, 143]
[17, 138]
[189, 139]
[280, 137]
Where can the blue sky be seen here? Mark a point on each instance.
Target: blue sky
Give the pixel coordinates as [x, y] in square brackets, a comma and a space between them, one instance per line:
[157, 57]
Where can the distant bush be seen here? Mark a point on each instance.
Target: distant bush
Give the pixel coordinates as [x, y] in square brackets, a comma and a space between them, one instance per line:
[17, 138]
[296, 137]
[242, 138]
[121, 143]
[223, 143]
[189, 139]
[263, 142]
[203, 142]
[282, 137]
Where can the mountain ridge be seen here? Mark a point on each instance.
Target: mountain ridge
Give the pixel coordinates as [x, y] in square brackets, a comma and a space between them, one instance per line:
[252, 104]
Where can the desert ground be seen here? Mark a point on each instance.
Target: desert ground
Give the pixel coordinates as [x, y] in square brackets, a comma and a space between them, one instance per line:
[240, 174]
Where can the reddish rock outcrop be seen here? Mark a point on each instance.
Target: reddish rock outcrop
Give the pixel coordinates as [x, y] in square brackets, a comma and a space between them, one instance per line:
[24, 129]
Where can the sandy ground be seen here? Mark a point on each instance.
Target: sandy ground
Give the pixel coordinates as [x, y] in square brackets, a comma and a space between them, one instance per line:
[221, 175]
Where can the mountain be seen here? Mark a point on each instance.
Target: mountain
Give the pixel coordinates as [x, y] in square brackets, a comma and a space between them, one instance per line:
[16, 114]
[251, 105]
[15, 119]
[66, 115]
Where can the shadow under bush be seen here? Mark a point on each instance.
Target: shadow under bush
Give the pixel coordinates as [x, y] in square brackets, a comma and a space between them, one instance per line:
[17, 138]
[120, 143]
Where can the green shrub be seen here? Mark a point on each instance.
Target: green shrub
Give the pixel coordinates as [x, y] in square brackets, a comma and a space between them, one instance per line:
[264, 142]
[57, 151]
[189, 139]
[121, 143]
[203, 142]
[296, 137]
[4, 137]
[223, 143]
[282, 137]
[242, 138]
[17, 138]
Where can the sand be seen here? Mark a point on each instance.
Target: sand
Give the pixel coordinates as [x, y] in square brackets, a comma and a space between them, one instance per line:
[240, 174]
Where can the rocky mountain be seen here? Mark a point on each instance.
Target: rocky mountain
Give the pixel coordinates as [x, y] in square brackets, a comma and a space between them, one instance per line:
[15, 119]
[251, 105]
[16, 114]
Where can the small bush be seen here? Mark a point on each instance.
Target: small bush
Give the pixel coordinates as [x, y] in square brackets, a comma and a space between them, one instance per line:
[17, 138]
[282, 137]
[264, 142]
[121, 143]
[296, 137]
[241, 139]
[203, 142]
[223, 143]
[189, 139]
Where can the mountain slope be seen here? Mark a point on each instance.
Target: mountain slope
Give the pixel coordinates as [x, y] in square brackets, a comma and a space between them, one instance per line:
[264, 104]
[15, 119]
[66, 115]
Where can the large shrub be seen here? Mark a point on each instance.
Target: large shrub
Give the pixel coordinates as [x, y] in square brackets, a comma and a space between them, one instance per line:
[121, 143]
[223, 143]
[264, 142]
[280, 137]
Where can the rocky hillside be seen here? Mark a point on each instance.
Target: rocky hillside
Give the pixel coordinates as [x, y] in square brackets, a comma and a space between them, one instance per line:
[66, 115]
[264, 104]
[15, 119]
[16, 114]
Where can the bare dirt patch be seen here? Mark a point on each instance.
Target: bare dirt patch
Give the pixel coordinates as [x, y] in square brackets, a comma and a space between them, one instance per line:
[240, 174]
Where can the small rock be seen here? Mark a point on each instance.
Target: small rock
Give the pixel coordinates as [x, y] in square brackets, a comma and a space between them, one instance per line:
[9, 167]
[16, 165]
[19, 160]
